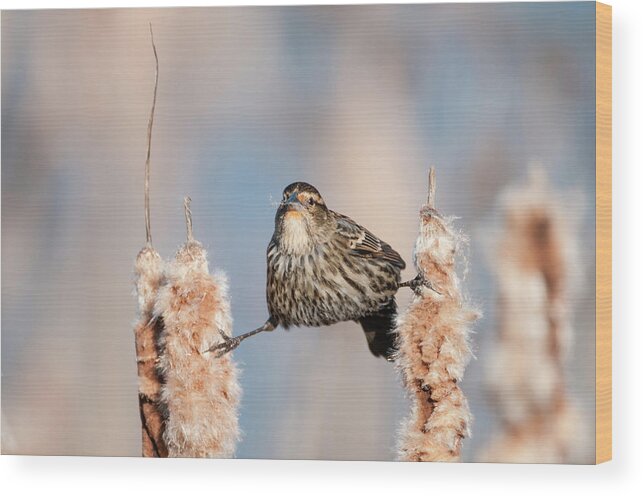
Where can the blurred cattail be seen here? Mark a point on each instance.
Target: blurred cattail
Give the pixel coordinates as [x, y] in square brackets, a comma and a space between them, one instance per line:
[434, 345]
[526, 368]
[200, 393]
[149, 277]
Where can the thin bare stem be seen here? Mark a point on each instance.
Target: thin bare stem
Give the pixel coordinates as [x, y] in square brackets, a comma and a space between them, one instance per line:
[188, 217]
[148, 230]
[431, 196]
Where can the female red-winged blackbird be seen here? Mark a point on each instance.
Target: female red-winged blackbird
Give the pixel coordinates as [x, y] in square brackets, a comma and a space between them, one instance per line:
[324, 268]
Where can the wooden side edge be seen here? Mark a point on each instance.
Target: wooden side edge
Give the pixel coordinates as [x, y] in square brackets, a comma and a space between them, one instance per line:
[603, 232]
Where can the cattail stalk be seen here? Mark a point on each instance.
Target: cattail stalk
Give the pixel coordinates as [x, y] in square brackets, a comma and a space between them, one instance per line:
[149, 268]
[201, 392]
[434, 345]
[526, 370]
[149, 277]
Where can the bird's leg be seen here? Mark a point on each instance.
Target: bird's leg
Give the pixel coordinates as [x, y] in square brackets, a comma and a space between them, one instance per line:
[230, 343]
[415, 284]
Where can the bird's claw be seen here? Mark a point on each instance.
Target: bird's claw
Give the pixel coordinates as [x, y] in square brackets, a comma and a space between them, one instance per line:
[417, 283]
[427, 284]
[226, 346]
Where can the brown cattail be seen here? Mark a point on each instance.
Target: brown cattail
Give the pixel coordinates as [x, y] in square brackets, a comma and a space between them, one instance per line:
[149, 277]
[200, 393]
[526, 369]
[434, 345]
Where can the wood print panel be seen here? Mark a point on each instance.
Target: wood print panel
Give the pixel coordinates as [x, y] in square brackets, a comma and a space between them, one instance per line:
[603, 233]
[358, 101]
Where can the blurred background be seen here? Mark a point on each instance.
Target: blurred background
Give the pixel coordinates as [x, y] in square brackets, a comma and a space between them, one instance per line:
[357, 100]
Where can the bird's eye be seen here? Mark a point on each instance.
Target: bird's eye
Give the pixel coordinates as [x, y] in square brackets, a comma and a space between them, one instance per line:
[311, 201]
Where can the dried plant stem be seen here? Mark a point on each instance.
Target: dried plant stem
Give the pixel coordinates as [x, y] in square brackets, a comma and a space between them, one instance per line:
[430, 201]
[201, 392]
[188, 217]
[149, 270]
[150, 124]
[434, 345]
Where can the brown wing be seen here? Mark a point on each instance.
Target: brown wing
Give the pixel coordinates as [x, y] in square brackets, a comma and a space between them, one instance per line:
[364, 243]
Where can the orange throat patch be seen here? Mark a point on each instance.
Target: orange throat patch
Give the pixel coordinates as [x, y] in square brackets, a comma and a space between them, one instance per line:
[293, 215]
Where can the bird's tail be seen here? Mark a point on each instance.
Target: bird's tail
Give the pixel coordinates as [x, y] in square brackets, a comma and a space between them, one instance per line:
[379, 329]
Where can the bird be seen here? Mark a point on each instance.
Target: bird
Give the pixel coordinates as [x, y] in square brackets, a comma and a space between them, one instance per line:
[324, 268]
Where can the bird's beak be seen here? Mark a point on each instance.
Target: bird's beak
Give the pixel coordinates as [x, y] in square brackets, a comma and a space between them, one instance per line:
[293, 203]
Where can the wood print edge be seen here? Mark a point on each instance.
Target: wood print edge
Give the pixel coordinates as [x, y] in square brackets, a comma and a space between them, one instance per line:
[603, 232]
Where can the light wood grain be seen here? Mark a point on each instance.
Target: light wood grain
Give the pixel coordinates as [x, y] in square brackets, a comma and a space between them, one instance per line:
[603, 233]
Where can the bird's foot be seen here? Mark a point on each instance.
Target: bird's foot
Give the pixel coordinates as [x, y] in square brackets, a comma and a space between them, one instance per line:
[226, 346]
[417, 283]
[230, 343]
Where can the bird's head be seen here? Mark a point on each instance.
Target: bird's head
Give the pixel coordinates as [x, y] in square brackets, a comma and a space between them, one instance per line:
[302, 218]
